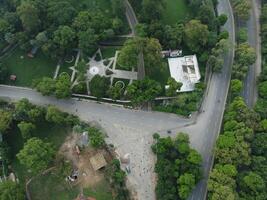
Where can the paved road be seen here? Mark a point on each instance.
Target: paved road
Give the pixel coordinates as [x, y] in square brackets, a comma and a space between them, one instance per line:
[131, 131]
[253, 25]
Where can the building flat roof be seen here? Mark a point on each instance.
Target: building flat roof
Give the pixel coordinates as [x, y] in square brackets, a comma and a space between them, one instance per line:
[185, 70]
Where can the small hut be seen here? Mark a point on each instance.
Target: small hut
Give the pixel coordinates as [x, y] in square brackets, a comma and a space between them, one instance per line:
[98, 161]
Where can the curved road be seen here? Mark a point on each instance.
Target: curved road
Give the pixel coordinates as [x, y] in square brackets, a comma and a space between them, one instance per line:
[131, 131]
[253, 25]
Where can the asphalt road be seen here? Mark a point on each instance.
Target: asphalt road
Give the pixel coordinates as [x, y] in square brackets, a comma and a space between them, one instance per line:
[253, 25]
[131, 130]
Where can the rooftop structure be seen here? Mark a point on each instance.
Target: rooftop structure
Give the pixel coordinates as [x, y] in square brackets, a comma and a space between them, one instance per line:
[98, 161]
[185, 70]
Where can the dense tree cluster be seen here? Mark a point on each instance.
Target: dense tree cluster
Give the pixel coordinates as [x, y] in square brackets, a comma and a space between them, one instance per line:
[11, 191]
[241, 8]
[185, 103]
[240, 155]
[58, 26]
[36, 155]
[151, 48]
[116, 177]
[142, 91]
[244, 57]
[178, 167]
[61, 87]
[261, 105]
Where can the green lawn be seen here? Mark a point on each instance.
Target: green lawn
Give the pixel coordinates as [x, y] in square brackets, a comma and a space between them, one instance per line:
[108, 52]
[101, 191]
[26, 69]
[163, 74]
[53, 187]
[176, 10]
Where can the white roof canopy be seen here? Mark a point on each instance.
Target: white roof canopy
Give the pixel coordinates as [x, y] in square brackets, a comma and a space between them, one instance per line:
[185, 70]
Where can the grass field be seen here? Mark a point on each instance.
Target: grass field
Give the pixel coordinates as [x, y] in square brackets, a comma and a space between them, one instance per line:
[53, 187]
[26, 69]
[176, 10]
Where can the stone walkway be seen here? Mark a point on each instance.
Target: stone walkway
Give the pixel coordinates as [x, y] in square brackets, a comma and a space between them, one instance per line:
[98, 67]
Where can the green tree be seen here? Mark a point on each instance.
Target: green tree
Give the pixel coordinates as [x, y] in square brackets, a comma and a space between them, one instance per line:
[221, 183]
[63, 86]
[46, 86]
[222, 19]
[196, 35]
[95, 20]
[115, 92]
[3, 73]
[253, 187]
[55, 115]
[118, 8]
[5, 120]
[64, 37]
[236, 87]
[173, 36]
[26, 129]
[174, 86]
[36, 155]
[98, 86]
[36, 114]
[186, 183]
[259, 144]
[263, 89]
[4, 27]
[11, 191]
[87, 41]
[242, 8]
[60, 12]
[242, 35]
[151, 48]
[245, 54]
[142, 91]
[96, 137]
[29, 16]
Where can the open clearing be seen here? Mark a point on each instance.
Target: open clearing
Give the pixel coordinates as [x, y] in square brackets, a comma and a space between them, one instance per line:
[27, 69]
[176, 10]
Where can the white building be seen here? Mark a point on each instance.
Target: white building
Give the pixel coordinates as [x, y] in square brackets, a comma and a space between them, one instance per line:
[185, 70]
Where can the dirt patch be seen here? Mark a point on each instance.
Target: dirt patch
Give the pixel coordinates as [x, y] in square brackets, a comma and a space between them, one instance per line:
[87, 175]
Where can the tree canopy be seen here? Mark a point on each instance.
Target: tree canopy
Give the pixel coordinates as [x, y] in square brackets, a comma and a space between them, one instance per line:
[36, 155]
